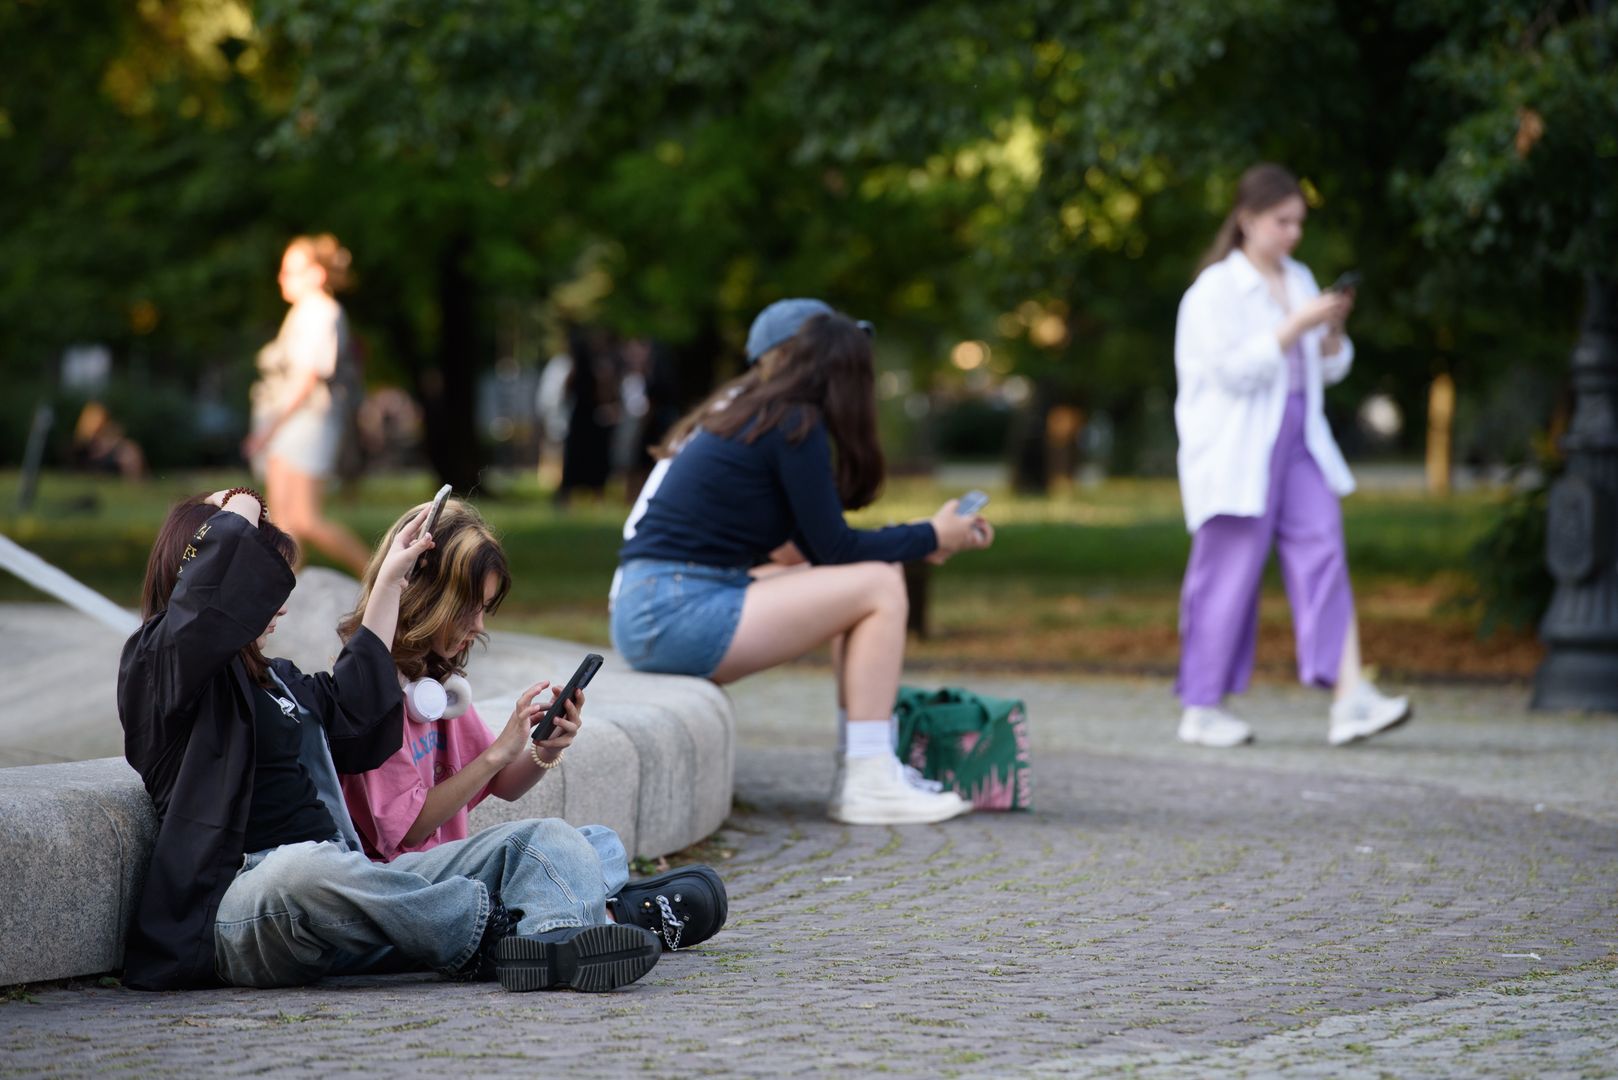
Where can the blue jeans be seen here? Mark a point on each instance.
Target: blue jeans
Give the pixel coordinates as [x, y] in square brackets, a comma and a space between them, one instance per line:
[677, 618]
[301, 911]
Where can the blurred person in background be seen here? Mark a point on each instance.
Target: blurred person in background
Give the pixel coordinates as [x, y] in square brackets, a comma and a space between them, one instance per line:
[1256, 344]
[306, 398]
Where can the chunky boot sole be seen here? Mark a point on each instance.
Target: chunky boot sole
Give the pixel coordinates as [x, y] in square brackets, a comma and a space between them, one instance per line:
[596, 958]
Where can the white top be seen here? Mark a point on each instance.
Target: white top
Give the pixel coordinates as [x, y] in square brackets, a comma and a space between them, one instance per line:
[1232, 393]
[309, 340]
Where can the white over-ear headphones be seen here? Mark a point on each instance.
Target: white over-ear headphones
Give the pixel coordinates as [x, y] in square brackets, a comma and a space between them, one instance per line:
[427, 700]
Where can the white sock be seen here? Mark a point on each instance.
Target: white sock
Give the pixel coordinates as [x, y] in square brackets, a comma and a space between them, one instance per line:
[842, 732]
[868, 738]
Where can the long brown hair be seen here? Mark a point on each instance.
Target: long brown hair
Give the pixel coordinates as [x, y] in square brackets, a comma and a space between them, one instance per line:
[824, 372]
[447, 589]
[179, 529]
[1261, 187]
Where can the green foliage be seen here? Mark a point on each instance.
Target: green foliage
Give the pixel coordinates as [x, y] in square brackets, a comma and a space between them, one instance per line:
[1509, 585]
[1529, 175]
[1038, 174]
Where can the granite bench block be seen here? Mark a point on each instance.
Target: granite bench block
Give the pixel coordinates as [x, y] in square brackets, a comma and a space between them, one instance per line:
[76, 839]
[588, 788]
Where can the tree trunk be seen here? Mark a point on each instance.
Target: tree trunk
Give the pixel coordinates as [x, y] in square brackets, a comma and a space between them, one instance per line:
[1440, 423]
[447, 386]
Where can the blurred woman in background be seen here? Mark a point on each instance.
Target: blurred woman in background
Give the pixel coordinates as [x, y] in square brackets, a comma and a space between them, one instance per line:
[305, 398]
[1255, 346]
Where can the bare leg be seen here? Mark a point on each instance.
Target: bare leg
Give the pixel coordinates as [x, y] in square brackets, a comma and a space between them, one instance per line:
[786, 615]
[1349, 669]
[278, 498]
[298, 513]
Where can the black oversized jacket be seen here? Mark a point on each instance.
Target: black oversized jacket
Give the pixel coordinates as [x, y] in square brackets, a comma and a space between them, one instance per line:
[185, 701]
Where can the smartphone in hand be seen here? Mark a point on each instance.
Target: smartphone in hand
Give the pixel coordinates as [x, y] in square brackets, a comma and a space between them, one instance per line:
[971, 503]
[581, 678]
[432, 520]
[1347, 281]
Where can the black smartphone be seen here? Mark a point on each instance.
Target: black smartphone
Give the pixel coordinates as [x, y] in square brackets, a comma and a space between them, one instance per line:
[1347, 281]
[432, 519]
[971, 503]
[581, 678]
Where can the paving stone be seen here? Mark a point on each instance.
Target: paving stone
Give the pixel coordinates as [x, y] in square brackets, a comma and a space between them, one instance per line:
[1405, 908]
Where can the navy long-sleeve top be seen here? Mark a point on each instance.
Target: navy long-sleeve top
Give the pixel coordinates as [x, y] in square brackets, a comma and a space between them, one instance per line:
[725, 502]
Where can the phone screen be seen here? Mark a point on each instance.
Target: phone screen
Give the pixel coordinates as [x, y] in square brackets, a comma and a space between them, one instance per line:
[971, 503]
[581, 678]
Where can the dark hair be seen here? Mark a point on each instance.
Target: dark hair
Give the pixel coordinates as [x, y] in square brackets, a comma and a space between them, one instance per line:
[1261, 187]
[163, 567]
[824, 372]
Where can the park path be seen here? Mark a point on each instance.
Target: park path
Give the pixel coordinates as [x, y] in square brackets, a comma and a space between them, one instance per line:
[1441, 902]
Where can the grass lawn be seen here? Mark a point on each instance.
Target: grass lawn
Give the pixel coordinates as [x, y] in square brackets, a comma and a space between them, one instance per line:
[1087, 580]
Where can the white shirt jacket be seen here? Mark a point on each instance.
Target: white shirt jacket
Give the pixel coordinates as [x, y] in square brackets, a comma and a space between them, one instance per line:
[1232, 389]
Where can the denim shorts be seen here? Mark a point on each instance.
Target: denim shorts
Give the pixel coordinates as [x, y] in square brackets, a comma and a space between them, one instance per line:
[677, 618]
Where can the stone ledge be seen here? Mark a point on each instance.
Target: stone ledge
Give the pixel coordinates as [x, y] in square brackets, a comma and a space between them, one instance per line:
[655, 761]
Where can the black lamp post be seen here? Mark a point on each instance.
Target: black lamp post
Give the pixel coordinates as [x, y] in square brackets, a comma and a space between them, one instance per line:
[1580, 629]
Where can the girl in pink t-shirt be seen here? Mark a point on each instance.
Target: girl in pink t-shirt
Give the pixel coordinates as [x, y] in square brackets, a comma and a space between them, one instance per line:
[414, 806]
[421, 796]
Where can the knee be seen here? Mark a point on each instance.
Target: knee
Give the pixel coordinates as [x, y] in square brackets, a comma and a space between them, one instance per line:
[887, 588]
[296, 872]
[553, 838]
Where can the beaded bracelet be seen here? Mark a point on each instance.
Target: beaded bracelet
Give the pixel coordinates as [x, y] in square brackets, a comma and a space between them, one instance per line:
[533, 752]
[263, 510]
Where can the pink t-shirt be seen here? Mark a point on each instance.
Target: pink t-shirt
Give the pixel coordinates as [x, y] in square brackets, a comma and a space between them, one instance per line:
[385, 802]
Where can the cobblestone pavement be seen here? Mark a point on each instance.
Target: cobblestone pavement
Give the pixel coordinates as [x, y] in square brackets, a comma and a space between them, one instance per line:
[1441, 902]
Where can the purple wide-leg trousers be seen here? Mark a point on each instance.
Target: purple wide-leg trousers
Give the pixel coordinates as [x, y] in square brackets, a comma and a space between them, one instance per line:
[1219, 601]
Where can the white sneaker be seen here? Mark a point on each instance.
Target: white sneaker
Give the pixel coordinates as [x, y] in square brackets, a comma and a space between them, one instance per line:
[1365, 711]
[1209, 725]
[915, 779]
[874, 791]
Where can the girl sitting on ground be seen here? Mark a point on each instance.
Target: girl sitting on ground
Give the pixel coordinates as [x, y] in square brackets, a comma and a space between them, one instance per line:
[256, 878]
[449, 761]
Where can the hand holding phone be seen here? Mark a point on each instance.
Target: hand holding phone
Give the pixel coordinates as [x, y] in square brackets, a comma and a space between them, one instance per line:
[432, 522]
[1347, 281]
[581, 678]
[971, 503]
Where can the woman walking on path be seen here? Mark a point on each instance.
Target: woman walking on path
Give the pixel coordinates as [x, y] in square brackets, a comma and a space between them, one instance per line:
[303, 401]
[756, 474]
[1256, 343]
[415, 805]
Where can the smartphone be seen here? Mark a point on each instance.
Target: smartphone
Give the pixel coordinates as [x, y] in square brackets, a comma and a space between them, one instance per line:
[581, 678]
[432, 519]
[971, 503]
[1347, 281]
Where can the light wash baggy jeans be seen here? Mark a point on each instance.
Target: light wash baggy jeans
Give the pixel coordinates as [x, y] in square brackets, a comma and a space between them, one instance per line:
[301, 911]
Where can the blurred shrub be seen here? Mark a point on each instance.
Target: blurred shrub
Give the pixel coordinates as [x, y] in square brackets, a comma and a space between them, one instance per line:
[972, 428]
[163, 416]
[1508, 584]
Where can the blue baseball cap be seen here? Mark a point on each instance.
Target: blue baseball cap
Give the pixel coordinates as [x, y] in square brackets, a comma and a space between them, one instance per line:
[782, 320]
